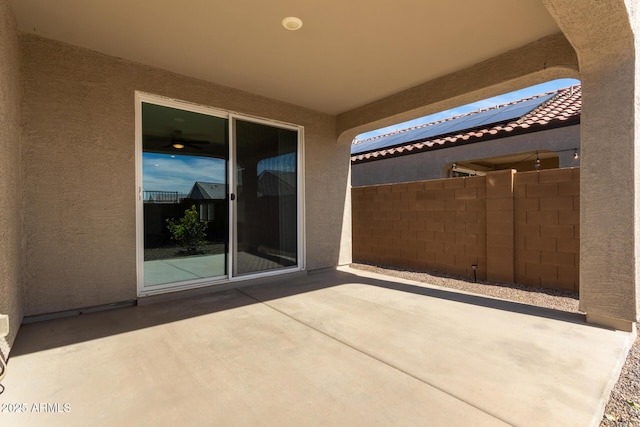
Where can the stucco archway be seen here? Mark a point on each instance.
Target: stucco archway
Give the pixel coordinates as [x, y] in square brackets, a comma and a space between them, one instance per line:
[604, 60]
[602, 34]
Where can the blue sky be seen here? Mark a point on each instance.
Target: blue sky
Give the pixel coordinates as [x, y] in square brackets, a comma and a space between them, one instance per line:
[172, 172]
[485, 103]
[165, 172]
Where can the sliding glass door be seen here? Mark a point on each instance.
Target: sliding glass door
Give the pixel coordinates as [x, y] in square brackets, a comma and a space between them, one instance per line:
[267, 197]
[219, 196]
[184, 194]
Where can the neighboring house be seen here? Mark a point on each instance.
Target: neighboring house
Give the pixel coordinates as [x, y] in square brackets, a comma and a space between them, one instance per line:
[207, 191]
[277, 183]
[207, 195]
[543, 129]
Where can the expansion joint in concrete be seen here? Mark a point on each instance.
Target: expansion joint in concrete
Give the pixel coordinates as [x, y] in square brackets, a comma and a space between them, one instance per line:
[372, 356]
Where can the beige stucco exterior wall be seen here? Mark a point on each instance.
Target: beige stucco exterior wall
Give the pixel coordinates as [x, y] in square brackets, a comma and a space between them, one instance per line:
[10, 176]
[79, 188]
[610, 179]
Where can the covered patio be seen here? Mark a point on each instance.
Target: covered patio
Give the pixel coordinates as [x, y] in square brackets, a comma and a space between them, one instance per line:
[338, 347]
[316, 345]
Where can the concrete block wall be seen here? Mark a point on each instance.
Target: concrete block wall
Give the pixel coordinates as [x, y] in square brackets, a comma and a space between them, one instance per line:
[437, 225]
[516, 227]
[500, 227]
[547, 228]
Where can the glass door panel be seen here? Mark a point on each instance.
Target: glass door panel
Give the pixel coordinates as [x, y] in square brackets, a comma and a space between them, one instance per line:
[185, 203]
[266, 160]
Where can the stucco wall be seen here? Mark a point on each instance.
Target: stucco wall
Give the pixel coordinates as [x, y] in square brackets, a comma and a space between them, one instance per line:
[10, 180]
[431, 164]
[79, 189]
[604, 35]
[549, 58]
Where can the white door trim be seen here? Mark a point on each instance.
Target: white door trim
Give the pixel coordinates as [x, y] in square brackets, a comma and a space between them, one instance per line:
[141, 97]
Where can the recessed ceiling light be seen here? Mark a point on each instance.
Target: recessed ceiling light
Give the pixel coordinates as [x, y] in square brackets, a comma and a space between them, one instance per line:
[177, 145]
[292, 23]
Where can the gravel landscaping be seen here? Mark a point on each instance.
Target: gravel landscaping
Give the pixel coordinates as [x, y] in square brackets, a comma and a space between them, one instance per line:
[623, 408]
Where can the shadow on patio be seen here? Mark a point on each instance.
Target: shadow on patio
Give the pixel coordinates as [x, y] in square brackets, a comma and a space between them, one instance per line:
[332, 348]
[133, 318]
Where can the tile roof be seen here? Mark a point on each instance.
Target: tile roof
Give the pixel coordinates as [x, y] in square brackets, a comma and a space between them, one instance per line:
[562, 109]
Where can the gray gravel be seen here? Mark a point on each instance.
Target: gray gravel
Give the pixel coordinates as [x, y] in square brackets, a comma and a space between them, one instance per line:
[623, 408]
[549, 298]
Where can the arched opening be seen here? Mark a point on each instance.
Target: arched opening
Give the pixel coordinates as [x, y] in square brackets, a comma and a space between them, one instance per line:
[517, 142]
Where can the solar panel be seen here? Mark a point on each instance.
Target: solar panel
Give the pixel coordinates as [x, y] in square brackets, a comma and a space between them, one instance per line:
[383, 141]
[483, 118]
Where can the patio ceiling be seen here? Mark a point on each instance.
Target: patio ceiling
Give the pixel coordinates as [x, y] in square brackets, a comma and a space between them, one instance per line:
[346, 55]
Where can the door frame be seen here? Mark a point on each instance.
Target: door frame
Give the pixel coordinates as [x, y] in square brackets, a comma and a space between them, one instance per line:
[142, 97]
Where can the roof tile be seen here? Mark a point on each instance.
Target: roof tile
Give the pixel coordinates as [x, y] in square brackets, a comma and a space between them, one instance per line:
[566, 104]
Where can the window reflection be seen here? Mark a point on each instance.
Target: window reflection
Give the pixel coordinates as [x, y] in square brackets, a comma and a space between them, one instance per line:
[184, 163]
[267, 198]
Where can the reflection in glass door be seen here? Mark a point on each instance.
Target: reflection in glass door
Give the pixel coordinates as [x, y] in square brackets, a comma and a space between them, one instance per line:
[219, 196]
[185, 204]
[266, 209]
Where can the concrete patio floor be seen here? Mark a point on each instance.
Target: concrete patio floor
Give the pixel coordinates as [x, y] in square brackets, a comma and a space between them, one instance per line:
[333, 348]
